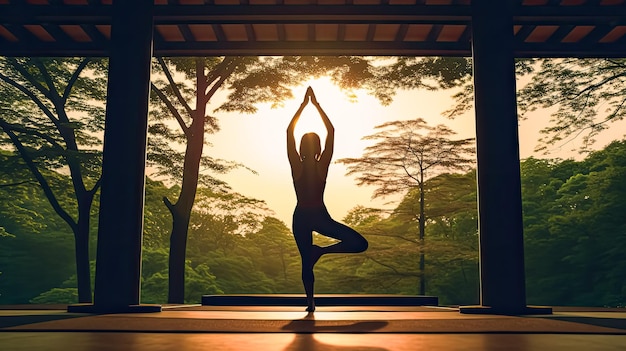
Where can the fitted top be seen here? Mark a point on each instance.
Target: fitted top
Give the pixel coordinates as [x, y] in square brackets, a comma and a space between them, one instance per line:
[310, 189]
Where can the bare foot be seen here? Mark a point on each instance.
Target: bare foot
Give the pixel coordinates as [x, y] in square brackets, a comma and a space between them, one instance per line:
[316, 253]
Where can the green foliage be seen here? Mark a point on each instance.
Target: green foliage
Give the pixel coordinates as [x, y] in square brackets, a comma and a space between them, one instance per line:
[33, 263]
[361, 216]
[57, 295]
[200, 281]
[4, 233]
[428, 72]
[575, 235]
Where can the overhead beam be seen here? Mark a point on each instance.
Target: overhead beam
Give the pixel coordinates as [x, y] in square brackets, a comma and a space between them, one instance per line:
[569, 14]
[222, 48]
[373, 48]
[241, 13]
[172, 14]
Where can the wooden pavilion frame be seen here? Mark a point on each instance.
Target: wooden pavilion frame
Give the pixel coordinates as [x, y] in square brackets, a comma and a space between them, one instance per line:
[492, 32]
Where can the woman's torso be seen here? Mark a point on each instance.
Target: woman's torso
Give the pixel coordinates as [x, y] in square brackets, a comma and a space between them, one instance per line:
[310, 187]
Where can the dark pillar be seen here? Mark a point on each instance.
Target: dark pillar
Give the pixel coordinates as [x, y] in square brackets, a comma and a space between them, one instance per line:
[118, 265]
[502, 278]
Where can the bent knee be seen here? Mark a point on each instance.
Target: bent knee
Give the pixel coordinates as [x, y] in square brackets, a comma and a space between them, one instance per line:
[362, 245]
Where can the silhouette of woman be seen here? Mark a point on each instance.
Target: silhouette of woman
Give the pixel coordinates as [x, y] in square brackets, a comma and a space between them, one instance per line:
[309, 169]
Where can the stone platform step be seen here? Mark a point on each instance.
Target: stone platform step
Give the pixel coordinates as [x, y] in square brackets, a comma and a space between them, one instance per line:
[320, 300]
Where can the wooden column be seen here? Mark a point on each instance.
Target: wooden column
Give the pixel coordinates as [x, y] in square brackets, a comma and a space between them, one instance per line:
[502, 277]
[118, 265]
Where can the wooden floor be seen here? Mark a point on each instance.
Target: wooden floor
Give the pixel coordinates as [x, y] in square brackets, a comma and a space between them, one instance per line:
[370, 328]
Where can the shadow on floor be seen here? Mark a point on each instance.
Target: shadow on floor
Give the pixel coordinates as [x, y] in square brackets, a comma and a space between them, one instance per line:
[305, 330]
[617, 323]
[14, 321]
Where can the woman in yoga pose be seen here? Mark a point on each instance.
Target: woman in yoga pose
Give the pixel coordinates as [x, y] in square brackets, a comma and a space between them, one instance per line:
[309, 169]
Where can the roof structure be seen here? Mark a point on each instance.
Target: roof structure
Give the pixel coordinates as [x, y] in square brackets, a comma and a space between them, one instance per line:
[543, 28]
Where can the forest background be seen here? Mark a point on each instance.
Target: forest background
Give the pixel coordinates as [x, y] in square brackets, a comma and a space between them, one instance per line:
[573, 219]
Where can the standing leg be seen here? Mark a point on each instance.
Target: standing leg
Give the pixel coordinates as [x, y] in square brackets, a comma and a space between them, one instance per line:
[304, 239]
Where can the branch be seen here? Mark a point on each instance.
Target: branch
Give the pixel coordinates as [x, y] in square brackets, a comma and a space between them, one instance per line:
[40, 178]
[409, 174]
[29, 77]
[33, 97]
[52, 90]
[44, 136]
[225, 73]
[387, 286]
[615, 112]
[402, 274]
[74, 78]
[616, 64]
[596, 85]
[168, 204]
[172, 109]
[218, 72]
[595, 125]
[175, 89]
[16, 183]
[96, 186]
[396, 236]
[411, 150]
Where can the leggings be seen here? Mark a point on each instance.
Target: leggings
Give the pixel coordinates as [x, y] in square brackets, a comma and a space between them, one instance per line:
[309, 219]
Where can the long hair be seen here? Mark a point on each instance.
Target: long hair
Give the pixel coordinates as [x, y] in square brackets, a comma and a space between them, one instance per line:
[310, 146]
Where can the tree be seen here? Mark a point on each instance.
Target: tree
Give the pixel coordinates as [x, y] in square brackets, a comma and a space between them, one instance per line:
[51, 114]
[175, 99]
[405, 155]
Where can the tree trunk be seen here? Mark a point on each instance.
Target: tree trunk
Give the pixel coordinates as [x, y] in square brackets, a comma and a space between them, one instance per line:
[284, 264]
[181, 211]
[81, 245]
[178, 248]
[422, 229]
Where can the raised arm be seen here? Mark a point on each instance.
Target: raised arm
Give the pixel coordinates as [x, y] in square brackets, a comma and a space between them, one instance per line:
[292, 152]
[327, 154]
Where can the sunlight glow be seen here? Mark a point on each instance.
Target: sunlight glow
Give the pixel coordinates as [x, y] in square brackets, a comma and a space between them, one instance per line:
[345, 113]
[259, 141]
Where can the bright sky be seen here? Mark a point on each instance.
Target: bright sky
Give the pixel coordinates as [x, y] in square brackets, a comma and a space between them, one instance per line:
[258, 141]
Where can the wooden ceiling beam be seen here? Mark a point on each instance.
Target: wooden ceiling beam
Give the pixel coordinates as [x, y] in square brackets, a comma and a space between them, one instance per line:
[16, 15]
[24, 13]
[162, 48]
